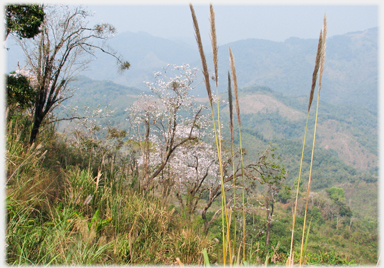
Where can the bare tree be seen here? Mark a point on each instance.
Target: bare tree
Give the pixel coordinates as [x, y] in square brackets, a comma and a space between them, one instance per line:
[63, 48]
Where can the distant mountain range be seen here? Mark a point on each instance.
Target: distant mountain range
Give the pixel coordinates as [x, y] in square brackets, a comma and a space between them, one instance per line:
[350, 74]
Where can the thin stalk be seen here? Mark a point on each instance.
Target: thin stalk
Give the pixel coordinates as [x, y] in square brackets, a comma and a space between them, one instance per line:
[217, 132]
[314, 79]
[233, 155]
[297, 192]
[309, 182]
[233, 71]
[243, 180]
[322, 60]
[218, 146]
[215, 63]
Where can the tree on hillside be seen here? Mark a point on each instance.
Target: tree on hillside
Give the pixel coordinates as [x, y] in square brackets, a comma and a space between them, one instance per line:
[58, 53]
[24, 20]
[165, 121]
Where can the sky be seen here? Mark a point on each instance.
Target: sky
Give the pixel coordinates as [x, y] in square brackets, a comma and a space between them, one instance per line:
[235, 22]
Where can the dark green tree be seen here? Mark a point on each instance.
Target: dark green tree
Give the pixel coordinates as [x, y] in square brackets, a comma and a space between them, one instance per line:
[24, 20]
[336, 194]
[19, 92]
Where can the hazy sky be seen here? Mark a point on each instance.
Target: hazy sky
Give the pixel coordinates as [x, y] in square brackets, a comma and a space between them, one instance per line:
[234, 22]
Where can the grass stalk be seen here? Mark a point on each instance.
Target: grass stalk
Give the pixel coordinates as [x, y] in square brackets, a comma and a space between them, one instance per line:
[215, 63]
[216, 130]
[233, 71]
[322, 59]
[291, 258]
[314, 80]
[233, 154]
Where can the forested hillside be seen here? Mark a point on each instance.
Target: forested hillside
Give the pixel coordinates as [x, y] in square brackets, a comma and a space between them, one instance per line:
[98, 173]
[347, 142]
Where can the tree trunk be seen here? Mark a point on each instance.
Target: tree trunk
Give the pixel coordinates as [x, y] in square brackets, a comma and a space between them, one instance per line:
[267, 234]
[35, 129]
[204, 217]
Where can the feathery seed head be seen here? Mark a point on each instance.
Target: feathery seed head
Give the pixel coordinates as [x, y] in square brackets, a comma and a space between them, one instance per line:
[233, 71]
[202, 56]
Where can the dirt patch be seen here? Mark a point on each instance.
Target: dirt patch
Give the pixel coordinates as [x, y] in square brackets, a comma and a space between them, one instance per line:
[266, 104]
[334, 137]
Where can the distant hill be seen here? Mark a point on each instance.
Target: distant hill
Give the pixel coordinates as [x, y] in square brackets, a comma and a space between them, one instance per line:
[350, 75]
[347, 132]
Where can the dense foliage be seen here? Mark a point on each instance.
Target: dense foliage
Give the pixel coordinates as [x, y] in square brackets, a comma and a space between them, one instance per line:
[24, 20]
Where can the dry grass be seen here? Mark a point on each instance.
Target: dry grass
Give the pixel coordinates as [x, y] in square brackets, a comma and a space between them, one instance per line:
[214, 43]
[322, 60]
[319, 64]
[235, 88]
[202, 56]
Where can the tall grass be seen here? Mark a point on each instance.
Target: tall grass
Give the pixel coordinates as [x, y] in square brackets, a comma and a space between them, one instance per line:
[226, 216]
[233, 71]
[318, 70]
[322, 59]
[216, 130]
[60, 214]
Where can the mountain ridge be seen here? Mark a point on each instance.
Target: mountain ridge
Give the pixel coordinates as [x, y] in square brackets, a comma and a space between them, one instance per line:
[350, 74]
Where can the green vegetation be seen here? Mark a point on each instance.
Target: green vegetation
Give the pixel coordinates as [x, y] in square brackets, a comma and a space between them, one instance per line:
[50, 222]
[24, 20]
[155, 185]
[61, 210]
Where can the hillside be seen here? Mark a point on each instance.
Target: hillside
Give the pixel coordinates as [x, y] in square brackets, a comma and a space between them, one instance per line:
[350, 75]
[146, 168]
[346, 145]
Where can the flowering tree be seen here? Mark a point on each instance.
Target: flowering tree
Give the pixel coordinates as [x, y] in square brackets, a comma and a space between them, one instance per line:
[165, 121]
[195, 170]
[58, 53]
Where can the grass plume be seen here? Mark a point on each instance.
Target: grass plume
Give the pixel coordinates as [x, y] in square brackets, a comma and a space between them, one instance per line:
[216, 130]
[319, 64]
[323, 46]
[235, 88]
[316, 70]
[201, 51]
[233, 152]
[214, 43]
